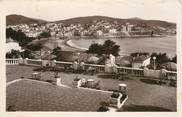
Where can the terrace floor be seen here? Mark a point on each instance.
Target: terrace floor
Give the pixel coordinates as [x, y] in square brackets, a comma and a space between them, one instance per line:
[29, 95]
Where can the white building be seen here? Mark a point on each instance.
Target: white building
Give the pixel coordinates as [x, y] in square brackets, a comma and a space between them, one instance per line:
[99, 33]
[124, 28]
[112, 31]
[141, 61]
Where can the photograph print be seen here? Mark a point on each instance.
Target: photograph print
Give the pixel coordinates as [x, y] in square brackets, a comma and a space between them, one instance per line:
[91, 56]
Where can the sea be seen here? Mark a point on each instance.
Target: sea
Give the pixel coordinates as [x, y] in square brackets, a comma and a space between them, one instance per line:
[130, 45]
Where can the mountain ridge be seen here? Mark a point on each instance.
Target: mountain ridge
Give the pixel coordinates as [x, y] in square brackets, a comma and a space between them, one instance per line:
[15, 19]
[19, 19]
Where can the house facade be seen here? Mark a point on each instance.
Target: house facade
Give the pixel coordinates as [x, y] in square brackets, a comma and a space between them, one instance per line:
[141, 61]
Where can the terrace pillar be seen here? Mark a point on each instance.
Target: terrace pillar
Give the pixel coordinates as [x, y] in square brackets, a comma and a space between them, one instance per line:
[20, 61]
[25, 61]
[58, 81]
[53, 63]
[145, 71]
[45, 63]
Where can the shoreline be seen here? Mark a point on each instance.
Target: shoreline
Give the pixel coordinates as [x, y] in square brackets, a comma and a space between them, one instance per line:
[118, 37]
[72, 45]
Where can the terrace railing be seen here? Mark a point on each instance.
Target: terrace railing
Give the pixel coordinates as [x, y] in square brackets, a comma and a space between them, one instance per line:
[171, 75]
[62, 64]
[33, 62]
[99, 68]
[131, 71]
[12, 61]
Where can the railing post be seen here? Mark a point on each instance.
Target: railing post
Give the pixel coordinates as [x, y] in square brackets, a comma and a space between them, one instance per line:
[20, 61]
[58, 81]
[44, 63]
[25, 61]
[53, 63]
[132, 73]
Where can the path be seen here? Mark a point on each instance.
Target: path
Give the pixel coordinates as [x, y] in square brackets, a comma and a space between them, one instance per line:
[11, 82]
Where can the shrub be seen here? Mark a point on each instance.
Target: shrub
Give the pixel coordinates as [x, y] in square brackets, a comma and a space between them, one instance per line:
[76, 79]
[50, 81]
[115, 95]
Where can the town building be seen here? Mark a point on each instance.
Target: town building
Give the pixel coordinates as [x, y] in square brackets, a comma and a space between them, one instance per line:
[141, 61]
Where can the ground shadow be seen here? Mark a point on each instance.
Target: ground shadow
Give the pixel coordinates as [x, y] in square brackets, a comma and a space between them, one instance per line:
[150, 81]
[144, 108]
[105, 76]
[113, 76]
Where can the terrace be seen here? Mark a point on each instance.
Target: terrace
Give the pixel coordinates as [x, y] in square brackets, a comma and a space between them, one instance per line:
[33, 95]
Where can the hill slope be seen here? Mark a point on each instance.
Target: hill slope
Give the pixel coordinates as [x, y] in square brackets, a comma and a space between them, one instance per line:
[135, 20]
[19, 19]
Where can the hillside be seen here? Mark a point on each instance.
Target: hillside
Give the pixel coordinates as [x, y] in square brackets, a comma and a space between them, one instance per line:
[19, 19]
[89, 19]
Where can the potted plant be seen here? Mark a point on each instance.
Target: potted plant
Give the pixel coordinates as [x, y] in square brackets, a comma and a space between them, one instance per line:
[76, 82]
[103, 107]
[115, 99]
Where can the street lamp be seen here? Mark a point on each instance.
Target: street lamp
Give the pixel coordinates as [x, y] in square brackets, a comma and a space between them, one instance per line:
[78, 55]
[154, 58]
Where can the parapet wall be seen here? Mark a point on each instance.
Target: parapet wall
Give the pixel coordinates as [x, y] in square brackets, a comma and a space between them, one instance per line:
[100, 68]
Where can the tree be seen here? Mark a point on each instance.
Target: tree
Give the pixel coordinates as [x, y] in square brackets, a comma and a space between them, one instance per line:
[95, 48]
[13, 54]
[44, 35]
[109, 47]
[18, 36]
[174, 59]
[27, 54]
[17, 54]
[139, 54]
[10, 33]
[161, 58]
[56, 52]
[35, 47]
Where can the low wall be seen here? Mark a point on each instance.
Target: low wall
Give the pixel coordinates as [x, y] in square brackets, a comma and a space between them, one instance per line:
[132, 71]
[157, 74]
[33, 62]
[99, 68]
[152, 73]
[12, 61]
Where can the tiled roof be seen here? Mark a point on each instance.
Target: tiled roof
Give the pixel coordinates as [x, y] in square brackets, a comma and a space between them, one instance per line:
[140, 58]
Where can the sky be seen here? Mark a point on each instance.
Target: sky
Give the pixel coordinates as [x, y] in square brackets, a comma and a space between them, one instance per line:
[52, 10]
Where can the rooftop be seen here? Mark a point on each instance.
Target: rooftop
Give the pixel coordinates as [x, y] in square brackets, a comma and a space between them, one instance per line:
[30, 95]
[141, 58]
[35, 96]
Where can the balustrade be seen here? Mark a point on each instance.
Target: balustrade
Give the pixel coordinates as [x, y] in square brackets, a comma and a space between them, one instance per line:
[99, 68]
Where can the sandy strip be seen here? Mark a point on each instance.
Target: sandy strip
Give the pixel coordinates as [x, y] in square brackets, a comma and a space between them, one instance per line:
[71, 44]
